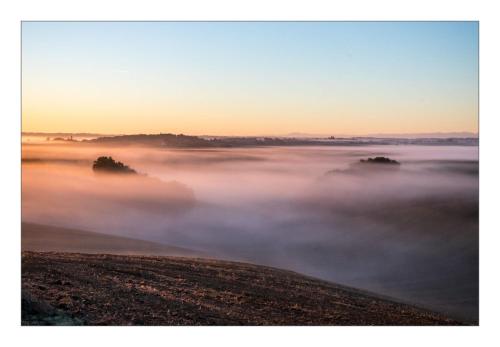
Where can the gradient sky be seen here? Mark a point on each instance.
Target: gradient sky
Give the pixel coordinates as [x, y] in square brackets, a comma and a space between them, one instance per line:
[250, 78]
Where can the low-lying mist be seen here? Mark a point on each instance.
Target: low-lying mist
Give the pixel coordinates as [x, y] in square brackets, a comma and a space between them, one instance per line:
[410, 233]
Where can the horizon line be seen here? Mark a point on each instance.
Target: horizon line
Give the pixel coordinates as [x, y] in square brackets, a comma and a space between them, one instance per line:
[290, 134]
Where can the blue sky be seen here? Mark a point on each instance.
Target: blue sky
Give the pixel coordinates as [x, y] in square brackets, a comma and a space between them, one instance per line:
[242, 78]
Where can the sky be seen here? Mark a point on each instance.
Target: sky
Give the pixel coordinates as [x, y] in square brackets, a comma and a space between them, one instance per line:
[250, 78]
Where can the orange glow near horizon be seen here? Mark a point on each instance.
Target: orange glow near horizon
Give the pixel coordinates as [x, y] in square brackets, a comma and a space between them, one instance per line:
[250, 78]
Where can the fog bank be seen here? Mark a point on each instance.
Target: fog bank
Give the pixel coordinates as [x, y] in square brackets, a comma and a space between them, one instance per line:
[411, 233]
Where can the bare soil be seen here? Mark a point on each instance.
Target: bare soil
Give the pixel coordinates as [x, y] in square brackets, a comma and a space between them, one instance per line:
[99, 289]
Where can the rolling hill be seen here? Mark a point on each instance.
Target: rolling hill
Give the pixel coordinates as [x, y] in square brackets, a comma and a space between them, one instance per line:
[45, 238]
[99, 289]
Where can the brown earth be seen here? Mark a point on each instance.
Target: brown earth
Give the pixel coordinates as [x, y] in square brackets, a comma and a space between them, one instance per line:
[98, 289]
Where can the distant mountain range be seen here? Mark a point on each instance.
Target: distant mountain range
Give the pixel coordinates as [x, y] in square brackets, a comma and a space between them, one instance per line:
[393, 135]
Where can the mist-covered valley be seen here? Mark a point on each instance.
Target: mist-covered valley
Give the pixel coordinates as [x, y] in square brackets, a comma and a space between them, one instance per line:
[409, 232]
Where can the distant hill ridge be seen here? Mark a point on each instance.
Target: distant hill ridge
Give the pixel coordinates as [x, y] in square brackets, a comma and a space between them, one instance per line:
[188, 141]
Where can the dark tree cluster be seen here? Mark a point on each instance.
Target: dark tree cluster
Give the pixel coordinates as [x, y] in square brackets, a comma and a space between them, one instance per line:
[380, 160]
[69, 139]
[109, 165]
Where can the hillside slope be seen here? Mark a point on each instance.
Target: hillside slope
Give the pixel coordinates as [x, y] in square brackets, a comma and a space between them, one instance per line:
[46, 238]
[97, 289]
